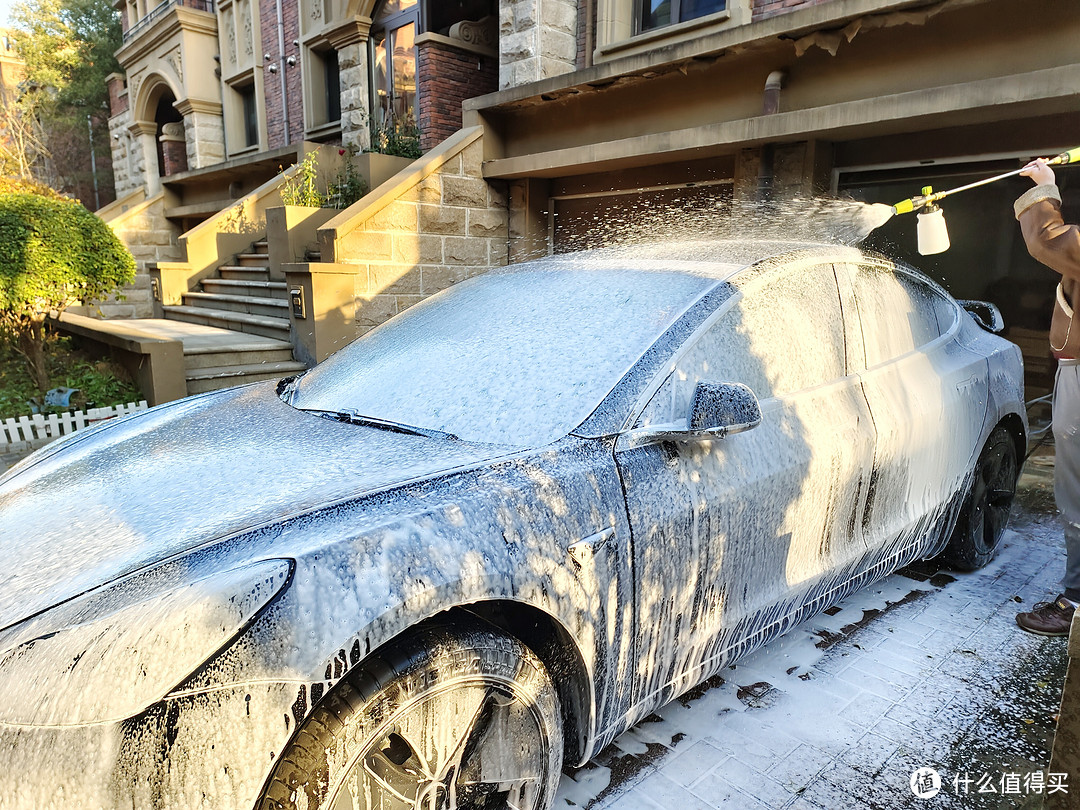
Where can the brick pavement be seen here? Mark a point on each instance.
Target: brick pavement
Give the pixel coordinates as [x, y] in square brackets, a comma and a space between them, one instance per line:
[926, 668]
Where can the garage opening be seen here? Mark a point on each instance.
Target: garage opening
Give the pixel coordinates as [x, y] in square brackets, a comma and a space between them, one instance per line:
[591, 220]
[988, 260]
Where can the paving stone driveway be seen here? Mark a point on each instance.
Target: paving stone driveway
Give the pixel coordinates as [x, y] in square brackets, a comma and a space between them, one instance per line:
[924, 669]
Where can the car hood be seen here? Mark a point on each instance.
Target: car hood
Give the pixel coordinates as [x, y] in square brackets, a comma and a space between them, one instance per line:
[116, 499]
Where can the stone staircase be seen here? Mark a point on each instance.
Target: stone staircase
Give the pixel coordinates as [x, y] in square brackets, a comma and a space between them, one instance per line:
[242, 299]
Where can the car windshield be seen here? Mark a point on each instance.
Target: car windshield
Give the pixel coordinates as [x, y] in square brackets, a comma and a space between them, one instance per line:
[514, 357]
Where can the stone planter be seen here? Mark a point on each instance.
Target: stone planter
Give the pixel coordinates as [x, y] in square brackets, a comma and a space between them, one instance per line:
[378, 168]
[292, 231]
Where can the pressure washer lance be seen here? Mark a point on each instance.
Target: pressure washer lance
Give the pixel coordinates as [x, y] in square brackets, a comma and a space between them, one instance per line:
[933, 236]
[929, 196]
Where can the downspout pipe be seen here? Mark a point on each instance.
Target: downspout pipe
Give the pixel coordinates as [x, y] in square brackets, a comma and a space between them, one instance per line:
[281, 71]
[773, 85]
[770, 106]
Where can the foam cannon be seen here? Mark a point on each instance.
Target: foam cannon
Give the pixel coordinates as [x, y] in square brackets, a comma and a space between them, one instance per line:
[933, 235]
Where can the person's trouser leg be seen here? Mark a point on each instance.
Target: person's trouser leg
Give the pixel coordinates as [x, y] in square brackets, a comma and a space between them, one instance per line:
[1066, 424]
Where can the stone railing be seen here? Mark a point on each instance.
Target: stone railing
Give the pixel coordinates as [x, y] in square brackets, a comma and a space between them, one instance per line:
[215, 241]
[432, 224]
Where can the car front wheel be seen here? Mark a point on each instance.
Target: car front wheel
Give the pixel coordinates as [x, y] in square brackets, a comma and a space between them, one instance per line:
[461, 716]
[985, 511]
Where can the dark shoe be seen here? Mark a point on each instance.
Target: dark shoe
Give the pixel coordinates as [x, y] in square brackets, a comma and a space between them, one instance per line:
[1048, 618]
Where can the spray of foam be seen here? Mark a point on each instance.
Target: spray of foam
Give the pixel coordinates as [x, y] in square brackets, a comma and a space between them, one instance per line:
[799, 219]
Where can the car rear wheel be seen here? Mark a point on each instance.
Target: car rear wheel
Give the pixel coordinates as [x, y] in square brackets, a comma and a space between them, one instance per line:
[462, 716]
[985, 511]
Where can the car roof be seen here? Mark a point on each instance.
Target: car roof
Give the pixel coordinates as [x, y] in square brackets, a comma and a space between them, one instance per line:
[718, 259]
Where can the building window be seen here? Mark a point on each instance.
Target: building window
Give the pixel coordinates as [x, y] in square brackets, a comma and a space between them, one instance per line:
[250, 114]
[658, 13]
[332, 84]
[393, 61]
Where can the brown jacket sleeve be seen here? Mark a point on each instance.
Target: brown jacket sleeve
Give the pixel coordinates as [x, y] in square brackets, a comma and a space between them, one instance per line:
[1048, 238]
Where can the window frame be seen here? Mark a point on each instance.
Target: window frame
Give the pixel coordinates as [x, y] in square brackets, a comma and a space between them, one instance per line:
[640, 7]
[387, 26]
[904, 274]
[745, 283]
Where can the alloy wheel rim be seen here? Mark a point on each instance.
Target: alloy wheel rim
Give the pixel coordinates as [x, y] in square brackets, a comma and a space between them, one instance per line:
[477, 745]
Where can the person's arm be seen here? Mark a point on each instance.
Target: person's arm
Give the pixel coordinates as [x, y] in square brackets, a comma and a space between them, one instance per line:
[1048, 238]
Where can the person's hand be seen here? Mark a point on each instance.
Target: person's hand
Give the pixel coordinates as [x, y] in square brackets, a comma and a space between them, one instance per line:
[1040, 173]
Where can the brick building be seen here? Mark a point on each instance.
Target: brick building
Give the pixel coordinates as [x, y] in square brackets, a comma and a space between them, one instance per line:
[243, 83]
[586, 112]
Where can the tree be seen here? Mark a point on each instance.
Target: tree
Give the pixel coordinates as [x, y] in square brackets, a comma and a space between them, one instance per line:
[68, 48]
[53, 252]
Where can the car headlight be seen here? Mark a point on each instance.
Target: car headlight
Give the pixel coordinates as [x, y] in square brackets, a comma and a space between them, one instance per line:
[108, 656]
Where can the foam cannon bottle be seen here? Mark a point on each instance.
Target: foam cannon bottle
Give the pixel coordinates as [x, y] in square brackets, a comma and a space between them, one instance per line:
[932, 233]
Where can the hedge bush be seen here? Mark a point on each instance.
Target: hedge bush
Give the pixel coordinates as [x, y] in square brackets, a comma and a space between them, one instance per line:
[53, 252]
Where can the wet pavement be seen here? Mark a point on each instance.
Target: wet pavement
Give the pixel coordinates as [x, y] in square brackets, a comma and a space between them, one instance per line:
[925, 669]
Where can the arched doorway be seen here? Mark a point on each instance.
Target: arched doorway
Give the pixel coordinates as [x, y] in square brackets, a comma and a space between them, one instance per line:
[170, 140]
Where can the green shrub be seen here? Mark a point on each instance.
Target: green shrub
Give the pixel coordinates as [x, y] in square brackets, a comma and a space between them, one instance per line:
[11, 185]
[302, 188]
[348, 184]
[396, 136]
[52, 252]
[99, 381]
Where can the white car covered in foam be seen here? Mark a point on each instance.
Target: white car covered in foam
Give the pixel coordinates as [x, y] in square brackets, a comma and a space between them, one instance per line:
[486, 537]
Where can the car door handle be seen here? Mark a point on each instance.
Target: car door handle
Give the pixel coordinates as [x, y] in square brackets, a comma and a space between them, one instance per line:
[965, 385]
[586, 549]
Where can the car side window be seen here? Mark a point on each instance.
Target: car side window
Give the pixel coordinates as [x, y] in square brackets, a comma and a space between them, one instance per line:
[784, 334]
[899, 313]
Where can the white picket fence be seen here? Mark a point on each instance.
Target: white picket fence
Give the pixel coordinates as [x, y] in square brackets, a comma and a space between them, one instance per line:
[36, 430]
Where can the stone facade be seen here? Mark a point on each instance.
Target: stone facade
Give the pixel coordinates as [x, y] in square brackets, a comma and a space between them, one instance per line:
[127, 168]
[353, 67]
[447, 76]
[205, 134]
[770, 8]
[537, 40]
[288, 98]
[151, 238]
[449, 225]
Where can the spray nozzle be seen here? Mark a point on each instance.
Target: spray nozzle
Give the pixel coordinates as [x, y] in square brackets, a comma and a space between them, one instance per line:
[1071, 156]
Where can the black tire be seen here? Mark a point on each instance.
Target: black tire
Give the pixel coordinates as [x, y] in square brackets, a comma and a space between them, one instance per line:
[985, 511]
[498, 742]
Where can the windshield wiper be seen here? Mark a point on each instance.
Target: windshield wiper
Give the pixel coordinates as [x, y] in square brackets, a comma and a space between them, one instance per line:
[353, 418]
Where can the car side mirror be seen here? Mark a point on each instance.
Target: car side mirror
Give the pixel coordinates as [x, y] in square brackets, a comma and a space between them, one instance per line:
[716, 410]
[985, 314]
[721, 409]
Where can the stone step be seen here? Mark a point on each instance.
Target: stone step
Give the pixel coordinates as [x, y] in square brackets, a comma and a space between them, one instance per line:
[277, 328]
[262, 246]
[259, 289]
[253, 260]
[251, 304]
[239, 355]
[241, 273]
[213, 378]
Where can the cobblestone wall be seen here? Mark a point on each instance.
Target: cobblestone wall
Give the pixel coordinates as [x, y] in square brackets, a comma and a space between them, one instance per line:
[537, 40]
